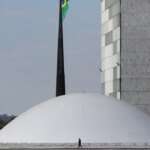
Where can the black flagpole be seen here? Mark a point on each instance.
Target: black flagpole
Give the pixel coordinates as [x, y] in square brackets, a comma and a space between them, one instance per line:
[60, 81]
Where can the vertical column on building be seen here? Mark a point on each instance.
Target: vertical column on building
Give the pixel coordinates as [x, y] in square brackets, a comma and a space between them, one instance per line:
[110, 47]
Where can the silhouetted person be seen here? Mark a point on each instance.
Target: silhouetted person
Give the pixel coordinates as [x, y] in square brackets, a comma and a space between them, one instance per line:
[79, 143]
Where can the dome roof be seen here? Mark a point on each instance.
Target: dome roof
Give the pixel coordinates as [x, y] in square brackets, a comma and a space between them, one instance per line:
[92, 117]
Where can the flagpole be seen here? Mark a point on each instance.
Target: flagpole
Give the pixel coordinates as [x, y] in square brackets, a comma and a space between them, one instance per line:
[60, 79]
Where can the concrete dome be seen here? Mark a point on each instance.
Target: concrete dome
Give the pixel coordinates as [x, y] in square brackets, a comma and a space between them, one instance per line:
[92, 117]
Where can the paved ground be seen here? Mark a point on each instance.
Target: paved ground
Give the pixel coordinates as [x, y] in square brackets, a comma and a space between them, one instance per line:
[75, 146]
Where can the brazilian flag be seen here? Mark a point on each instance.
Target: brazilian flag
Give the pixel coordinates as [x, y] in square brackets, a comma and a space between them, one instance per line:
[65, 7]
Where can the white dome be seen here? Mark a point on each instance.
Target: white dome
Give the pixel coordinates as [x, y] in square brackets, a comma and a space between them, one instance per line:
[92, 117]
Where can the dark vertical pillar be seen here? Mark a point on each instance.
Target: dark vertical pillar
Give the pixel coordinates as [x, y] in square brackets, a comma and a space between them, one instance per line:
[60, 81]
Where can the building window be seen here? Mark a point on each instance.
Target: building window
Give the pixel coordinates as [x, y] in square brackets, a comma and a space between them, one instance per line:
[108, 38]
[115, 50]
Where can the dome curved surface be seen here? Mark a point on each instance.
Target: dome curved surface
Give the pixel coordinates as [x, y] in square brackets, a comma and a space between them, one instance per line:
[92, 117]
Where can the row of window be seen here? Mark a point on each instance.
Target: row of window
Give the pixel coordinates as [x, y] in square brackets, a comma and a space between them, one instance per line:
[110, 50]
[115, 94]
[110, 12]
[110, 74]
[109, 3]
[111, 24]
[111, 87]
[110, 62]
[112, 36]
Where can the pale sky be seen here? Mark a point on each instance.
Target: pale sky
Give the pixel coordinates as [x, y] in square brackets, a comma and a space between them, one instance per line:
[28, 50]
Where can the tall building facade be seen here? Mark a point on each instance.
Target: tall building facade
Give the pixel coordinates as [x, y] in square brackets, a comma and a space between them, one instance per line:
[125, 51]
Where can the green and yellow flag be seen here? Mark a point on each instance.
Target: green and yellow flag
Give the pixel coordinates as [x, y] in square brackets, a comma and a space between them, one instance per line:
[65, 7]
